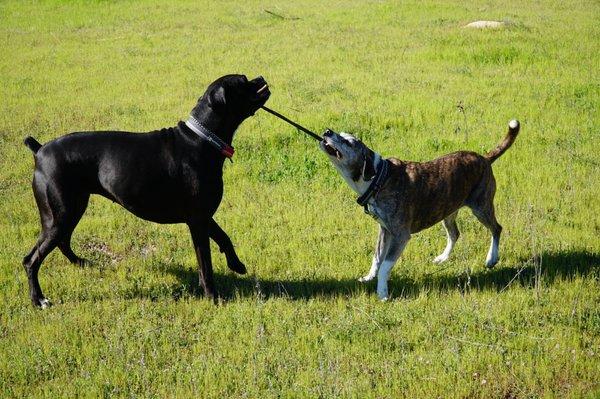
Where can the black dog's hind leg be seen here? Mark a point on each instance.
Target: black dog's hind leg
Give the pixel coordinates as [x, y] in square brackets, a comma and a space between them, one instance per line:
[32, 262]
[67, 251]
[60, 212]
[76, 210]
[200, 238]
[226, 246]
[47, 241]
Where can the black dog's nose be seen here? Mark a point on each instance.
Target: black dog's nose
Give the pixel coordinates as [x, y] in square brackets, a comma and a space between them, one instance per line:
[328, 133]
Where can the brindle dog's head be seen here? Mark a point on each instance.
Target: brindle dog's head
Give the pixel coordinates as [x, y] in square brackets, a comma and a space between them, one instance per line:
[353, 159]
[233, 97]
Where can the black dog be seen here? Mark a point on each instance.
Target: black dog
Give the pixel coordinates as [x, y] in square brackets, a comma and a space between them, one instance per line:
[173, 175]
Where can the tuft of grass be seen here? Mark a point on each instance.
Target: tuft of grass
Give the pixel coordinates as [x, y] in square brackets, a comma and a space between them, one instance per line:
[407, 79]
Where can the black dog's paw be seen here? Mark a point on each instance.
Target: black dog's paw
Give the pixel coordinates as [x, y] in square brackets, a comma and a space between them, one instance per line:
[41, 303]
[82, 262]
[237, 266]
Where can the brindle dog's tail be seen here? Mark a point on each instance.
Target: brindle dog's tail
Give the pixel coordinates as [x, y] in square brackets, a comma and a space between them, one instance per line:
[513, 130]
[33, 144]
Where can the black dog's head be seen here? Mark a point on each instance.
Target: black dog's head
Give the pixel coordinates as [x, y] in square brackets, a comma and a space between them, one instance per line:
[236, 97]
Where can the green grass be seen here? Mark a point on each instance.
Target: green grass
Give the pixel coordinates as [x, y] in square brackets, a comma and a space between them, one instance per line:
[412, 83]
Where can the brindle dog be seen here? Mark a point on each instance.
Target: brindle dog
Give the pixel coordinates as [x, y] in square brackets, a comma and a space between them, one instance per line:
[407, 197]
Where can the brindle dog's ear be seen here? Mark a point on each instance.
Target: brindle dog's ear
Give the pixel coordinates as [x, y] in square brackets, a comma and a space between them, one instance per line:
[356, 173]
[368, 171]
[216, 99]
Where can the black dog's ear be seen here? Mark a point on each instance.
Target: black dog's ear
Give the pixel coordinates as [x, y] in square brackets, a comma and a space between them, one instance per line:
[216, 99]
[368, 171]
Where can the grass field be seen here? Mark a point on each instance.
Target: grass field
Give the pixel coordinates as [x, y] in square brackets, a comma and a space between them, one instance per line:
[412, 83]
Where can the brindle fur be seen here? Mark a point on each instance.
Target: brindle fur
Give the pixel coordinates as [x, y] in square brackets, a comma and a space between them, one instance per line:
[417, 195]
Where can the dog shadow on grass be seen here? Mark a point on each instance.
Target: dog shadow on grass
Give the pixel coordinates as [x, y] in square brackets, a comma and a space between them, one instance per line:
[549, 267]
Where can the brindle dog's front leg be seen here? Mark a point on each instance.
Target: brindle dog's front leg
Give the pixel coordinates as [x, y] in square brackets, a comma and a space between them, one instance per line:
[380, 251]
[199, 230]
[397, 242]
[225, 245]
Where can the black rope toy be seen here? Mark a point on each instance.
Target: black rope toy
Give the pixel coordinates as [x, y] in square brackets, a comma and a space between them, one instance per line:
[291, 122]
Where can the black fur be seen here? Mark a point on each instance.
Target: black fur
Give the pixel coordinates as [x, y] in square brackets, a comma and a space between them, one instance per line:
[165, 176]
[33, 144]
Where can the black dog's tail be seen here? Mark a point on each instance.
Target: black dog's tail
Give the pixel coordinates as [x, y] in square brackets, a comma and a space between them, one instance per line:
[513, 130]
[33, 144]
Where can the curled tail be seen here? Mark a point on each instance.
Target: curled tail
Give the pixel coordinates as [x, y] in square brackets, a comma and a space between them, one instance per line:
[513, 130]
[32, 143]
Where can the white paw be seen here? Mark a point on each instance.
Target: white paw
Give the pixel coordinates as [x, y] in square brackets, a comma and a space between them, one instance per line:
[45, 303]
[383, 295]
[440, 258]
[491, 262]
[366, 278]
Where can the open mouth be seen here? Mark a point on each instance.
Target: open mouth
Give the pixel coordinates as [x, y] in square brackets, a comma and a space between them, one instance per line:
[331, 150]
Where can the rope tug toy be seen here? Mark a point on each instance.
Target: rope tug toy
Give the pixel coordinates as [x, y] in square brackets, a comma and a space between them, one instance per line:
[296, 125]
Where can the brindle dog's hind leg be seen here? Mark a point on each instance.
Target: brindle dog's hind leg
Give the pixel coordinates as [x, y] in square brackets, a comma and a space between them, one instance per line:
[487, 217]
[483, 209]
[452, 234]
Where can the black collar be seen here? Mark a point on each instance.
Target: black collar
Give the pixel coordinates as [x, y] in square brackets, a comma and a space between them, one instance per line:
[225, 149]
[376, 184]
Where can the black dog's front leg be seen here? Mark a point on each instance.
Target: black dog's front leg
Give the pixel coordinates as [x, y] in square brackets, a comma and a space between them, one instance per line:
[199, 232]
[225, 245]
